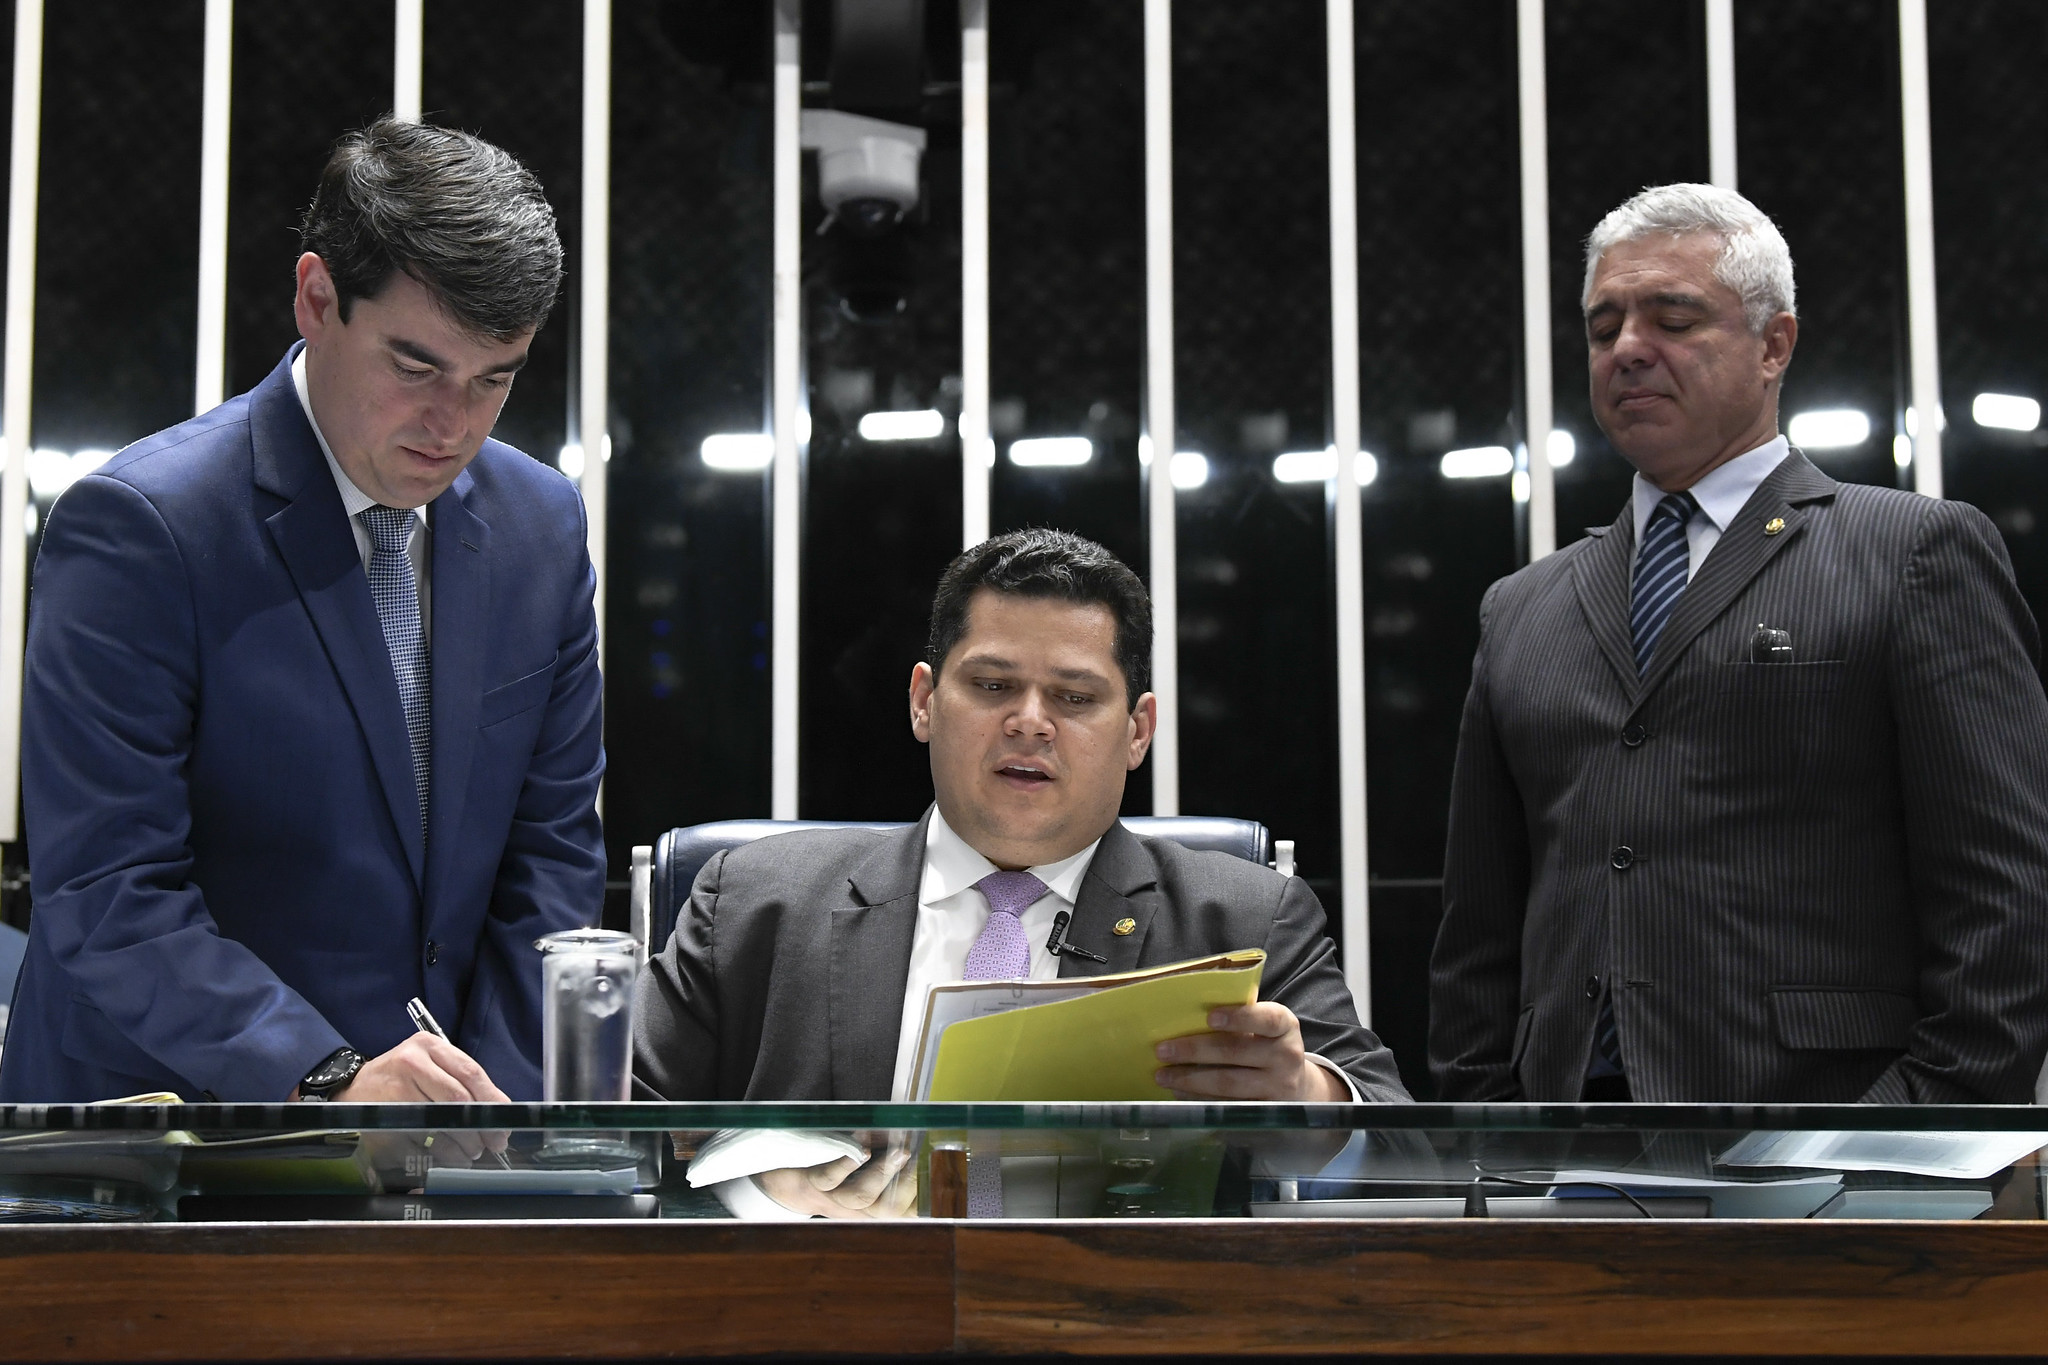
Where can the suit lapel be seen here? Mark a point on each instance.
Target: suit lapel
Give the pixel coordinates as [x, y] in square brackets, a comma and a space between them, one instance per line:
[461, 588]
[1600, 577]
[1114, 890]
[870, 964]
[1738, 557]
[312, 535]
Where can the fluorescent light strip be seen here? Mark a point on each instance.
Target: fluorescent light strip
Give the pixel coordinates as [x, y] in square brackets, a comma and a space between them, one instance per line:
[1829, 429]
[1320, 466]
[1478, 462]
[924, 425]
[738, 450]
[2006, 411]
[1048, 452]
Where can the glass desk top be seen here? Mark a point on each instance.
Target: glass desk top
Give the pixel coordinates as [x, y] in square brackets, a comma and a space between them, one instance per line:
[248, 1162]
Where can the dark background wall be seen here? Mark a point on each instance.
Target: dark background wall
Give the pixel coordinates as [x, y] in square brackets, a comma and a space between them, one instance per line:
[1439, 263]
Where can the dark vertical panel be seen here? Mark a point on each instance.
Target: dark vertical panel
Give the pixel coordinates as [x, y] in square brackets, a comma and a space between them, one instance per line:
[881, 518]
[1627, 95]
[513, 75]
[1252, 335]
[1067, 263]
[1817, 109]
[117, 244]
[1990, 133]
[303, 75]
[1440, 320]
[686, 664]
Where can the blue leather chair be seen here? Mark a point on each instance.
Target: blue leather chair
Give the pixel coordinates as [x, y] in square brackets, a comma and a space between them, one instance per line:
[681, 853]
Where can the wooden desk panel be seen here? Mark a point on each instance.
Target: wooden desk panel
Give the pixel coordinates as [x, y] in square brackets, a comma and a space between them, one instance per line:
[635, 1290]
[454, 1290]
[1450, 1286]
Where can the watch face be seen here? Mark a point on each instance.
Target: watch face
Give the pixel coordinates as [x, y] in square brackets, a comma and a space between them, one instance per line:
[334, 1071]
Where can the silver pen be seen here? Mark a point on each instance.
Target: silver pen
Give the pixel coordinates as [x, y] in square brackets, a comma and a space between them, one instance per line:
[424, 1021]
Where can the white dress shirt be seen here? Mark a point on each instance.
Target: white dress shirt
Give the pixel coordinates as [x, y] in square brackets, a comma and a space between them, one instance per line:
[420, 549]
[1721, 495]
[951, 914]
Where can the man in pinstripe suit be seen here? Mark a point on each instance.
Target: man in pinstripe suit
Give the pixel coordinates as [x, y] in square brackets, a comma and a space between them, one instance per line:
[1751, 800]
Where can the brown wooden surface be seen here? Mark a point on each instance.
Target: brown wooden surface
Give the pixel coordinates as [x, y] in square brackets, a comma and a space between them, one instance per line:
[426, 1290]
[639, 1289]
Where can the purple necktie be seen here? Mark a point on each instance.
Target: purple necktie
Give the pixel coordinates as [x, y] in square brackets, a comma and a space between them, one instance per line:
[1002, 953]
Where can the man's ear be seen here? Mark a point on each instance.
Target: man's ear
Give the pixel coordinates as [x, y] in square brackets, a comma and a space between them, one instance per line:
[921, 685]
[1144, 723]
[316, 304]
[1781, 334]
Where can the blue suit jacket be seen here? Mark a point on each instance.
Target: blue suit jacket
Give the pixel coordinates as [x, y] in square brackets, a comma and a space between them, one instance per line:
[226, 860]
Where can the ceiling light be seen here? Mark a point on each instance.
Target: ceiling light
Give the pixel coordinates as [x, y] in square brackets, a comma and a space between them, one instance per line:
[738, 450]
[1902, 450]
[1320, 466]
[1190, 469]
[922, 425]
[1829, 429]
[2007, 411]
[1478, 462]
[1041, 452]
[1560, 447]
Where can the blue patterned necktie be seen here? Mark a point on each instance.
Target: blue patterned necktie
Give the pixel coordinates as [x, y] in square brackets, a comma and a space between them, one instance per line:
[397, 595]
[1661, 573]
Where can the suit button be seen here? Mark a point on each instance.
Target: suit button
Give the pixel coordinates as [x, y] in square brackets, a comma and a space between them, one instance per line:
[433, 952]
[1634, 735]
[1592, 988]
[1622, 857]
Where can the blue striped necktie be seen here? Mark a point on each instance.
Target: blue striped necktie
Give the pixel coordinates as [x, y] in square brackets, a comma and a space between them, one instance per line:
[1661, 573]
[397, 595]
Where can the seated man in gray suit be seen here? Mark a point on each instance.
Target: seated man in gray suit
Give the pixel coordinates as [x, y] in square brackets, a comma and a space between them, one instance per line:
[1751, 800]
[799, 968]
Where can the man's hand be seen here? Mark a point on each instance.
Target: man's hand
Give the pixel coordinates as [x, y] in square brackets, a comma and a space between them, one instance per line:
[1255, 1053]
[846, 1188]
[428, 1070]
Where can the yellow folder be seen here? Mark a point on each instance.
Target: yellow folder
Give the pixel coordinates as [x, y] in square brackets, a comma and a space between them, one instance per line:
[1096, 1046]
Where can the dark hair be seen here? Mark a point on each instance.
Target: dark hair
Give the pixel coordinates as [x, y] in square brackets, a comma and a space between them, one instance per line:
[1046, 563]
[459, 215]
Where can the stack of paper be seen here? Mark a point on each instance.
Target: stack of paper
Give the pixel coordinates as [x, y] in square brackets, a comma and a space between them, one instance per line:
[1074, 1039]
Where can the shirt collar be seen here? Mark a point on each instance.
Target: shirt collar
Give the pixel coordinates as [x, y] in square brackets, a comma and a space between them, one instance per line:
[353, 499]
[1723, 490]
[951, 865]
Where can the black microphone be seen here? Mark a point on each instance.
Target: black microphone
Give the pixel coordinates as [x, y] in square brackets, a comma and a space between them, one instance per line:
[1058, 946]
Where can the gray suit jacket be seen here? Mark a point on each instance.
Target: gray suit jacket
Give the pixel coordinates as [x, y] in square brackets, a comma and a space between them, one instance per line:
[1818, 881]
[784, 979]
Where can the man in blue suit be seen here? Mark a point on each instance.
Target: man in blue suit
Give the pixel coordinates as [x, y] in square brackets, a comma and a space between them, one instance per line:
[311, 721]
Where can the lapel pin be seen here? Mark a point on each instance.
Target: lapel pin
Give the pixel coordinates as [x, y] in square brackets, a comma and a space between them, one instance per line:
[1123, 927]
[1774, 525]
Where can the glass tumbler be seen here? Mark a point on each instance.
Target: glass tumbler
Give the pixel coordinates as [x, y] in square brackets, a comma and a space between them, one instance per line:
[587, 981]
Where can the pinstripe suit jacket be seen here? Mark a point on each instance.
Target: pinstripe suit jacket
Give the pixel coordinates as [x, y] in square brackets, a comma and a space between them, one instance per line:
[1818, 881]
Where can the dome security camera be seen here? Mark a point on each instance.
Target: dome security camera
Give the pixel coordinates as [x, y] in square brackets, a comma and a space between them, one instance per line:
[867, 168]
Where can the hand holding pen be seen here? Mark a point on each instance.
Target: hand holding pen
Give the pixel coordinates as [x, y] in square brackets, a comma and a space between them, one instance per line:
[423, 1022]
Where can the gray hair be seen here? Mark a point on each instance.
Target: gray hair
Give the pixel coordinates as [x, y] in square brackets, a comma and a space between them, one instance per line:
[1754, 260]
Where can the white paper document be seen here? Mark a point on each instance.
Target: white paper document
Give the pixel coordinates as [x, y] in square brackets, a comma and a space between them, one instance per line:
[1955, 1156]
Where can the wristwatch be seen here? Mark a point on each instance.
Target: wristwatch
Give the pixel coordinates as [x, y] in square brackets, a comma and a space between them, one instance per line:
[331, 1075]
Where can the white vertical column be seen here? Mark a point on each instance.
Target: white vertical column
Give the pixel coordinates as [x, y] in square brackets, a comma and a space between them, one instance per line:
[1344, 410]
[594, 319]
[977, 451]
[786, 372]
[209, 380]
[1536, 276]
[15, 394]
[1159, 418]
[408, 58]
[1922, 334]
[1721, 93]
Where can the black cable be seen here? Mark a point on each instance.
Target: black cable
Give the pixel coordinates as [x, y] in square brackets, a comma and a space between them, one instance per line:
[1553, 1183]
